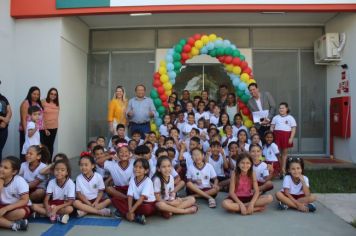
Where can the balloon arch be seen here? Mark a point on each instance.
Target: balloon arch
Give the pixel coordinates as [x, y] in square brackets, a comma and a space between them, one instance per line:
[227, 53]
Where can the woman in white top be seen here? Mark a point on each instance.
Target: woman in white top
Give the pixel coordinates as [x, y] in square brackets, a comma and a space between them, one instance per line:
[231, 108]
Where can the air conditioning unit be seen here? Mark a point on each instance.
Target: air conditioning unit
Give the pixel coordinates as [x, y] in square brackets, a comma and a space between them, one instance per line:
[326, 49]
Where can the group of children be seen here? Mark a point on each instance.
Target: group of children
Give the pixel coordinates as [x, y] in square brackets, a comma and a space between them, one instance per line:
[142, 177]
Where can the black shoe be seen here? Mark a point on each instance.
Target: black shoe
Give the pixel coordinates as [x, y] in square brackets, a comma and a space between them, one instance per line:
[21, 225]
[117, 214]
[311, 207]
[141, 219]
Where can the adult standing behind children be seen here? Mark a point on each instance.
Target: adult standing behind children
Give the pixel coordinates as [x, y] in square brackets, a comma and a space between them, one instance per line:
[32, 99]
[5, 116]
[50, 118]
[261, 101]
[117, 109]
[139, 111]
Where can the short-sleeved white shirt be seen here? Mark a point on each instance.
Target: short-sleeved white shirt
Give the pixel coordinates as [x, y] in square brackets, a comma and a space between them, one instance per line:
[187, 128]
[168, 187]
[201, 176]
[188, 158]
[284, 123]
[12, 192]
[101, 171]
[261, 171]
[226, 148]
[33, 140]
[204, 115]
[163, 130]
[29, 175]
[153, 168]
[236, 129]
[270, 152]
[218, 165]
[144, 187]
[90, 187]
[121, 176]
[63, 192]
[214, 119]
[294, 188]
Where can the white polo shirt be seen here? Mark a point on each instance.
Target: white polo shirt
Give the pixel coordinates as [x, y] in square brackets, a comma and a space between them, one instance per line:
[261, 171]
[142, 188]
[283, 123]
[63, 192]
[91, 186]
[12, 192]
[294, 188]
[201, 176]
[168, 187]
[121, 176]
[29, 175]
[271, 152]
[218, 165]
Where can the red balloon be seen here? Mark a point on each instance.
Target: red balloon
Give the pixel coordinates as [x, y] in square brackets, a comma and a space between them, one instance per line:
[160, 90]
[228, 59]
[185, 56]
[236, 61]
[157, 75]
[247, 70]
[163, 97]
[191, 41]
[187, 48]
[243, 65]
[197, 36]
[165, 104]
[182, 62]
[241, 105]
[157, 83]
[221, 59]
[245, 111]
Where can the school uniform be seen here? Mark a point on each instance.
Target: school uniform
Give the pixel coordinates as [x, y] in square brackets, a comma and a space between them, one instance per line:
[282, 130]
[101, 171]
[236, 129]
[12, 192]
[121, 176]
[90, 186]
[163, 130]
[270, 152]
[203, 115]
[201, 177]
[168, 188]
[218, 166]
[60, 193]
[214, 119]
[226, 148]
[153, 167]
[295, 189]
[31, 176]
[136, 190]
[187, 128]
[180, 126]
[33, 140]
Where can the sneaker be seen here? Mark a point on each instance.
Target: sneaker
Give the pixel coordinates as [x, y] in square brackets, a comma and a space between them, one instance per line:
[117, 214]
[311, 207]
[81, 213]
[282, 206]
[20, 225]
[53, 218]
[63, 218]
[141, 219]
[105, 212]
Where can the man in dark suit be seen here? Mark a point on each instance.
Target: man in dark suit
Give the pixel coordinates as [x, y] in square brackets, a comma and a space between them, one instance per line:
[258, 102]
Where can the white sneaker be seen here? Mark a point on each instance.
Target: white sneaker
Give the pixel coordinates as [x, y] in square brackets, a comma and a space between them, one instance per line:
[63, 218]
[81, 213]
[105, 212]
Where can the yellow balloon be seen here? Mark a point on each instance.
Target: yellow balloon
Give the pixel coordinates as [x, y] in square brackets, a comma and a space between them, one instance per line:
[190, 55]
[236, 70]
[198, 44]
[245, 77]
[164, 78]
[205, 39]
[229, 67]
[248, 123]
[212, 37]
[167, 86]
[251, 81]
[153, 127]
[244, 118]
[219, 38]
[194, 51]
[162, 63]
[168, 92]
[162, 70]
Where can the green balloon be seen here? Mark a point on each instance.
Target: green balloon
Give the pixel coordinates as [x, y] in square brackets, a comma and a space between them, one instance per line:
[161, 110]
[178, 48]
[242, 57]
[176, 56]
[182, 42]
[240, 93]
[157, 102]
[177, 65]
[154, 94]
[236, 53]
[228, 51]
[213, 53]
[220, 51]
[245, 98]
